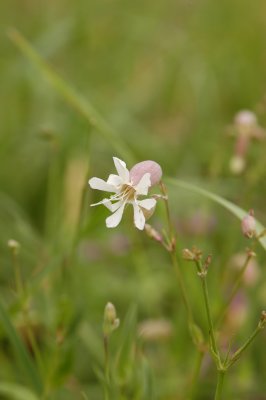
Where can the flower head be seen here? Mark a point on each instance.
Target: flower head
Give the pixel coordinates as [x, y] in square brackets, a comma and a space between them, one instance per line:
[127, 186]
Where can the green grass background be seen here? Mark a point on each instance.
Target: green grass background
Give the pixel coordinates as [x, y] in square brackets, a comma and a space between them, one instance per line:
[167, 77]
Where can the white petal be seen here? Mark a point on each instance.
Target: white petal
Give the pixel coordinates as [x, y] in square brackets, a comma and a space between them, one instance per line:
[114, 180]
[113, 207]
[122, 170]
[100, 184]
[115, 218]
[139, 218]
[148, 204]
[143, 186]
[108, 204]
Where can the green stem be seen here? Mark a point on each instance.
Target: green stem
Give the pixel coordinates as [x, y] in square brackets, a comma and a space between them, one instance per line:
[106, 354]
[234, 290]
[182, 288]
[18, 276]
[168, 214]
[219, 386]
[203, 276]
[171, 248]
[238, 353]
[106, 367]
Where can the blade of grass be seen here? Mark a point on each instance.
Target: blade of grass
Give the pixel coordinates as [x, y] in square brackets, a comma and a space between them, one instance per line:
[81, 105]
[16, 392]
[20, 351]
[234, 209]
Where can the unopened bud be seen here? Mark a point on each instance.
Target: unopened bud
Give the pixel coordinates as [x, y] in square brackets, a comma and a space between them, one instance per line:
[246, 118]
[237, 164]
[208, 261]
[262, 322]
[152, 233]
[13, 245]
[110, 321]
[188, 255]
[144, 167]
[249, 225]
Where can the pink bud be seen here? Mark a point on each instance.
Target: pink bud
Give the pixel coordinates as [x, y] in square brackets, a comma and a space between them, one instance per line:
[249, 225]
[246, 118]
[144, 167]
[153, 234]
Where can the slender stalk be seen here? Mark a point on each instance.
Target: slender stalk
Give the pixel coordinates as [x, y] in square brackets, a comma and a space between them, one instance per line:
[219, 386]
[182, 288]
[106, 366]
[171, 247]
[167, 208]
[18, 276]
[106, 357]
[207, 305]
[203, 276]
[234, 290]
[239, 352]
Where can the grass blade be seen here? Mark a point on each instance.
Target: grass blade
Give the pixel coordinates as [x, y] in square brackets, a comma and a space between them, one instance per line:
[81, 105]
[20, 351]
[235, 210]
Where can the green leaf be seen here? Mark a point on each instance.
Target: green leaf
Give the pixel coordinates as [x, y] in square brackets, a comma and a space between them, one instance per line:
[22, 355]
[235, 210]
[81, 105]
[16, 392]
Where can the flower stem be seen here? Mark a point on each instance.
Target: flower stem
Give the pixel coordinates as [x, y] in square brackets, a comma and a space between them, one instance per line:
[219, 386]
[203, 276]
[234, 290]
[239, 352]
[171, 247]
[106, 366]
[18, 275]
[182, 287]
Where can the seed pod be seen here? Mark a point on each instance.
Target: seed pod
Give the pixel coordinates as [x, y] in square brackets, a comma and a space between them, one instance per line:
[249, 225]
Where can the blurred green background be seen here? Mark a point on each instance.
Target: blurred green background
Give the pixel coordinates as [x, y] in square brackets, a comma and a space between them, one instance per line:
[168, 77]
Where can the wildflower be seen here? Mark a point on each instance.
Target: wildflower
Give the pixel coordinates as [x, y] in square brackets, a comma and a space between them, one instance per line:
[127, 186]
[249, 225]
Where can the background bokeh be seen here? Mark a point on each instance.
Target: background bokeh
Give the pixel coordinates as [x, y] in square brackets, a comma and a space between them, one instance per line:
[168, 77]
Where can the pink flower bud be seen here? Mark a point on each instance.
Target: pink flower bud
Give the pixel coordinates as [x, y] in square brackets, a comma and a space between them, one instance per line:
[249, 225]
[246, 118]
[237, 164]
[153, 234]
[144, 167]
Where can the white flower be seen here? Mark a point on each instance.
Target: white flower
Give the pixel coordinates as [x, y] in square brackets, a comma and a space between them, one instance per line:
[126, 191]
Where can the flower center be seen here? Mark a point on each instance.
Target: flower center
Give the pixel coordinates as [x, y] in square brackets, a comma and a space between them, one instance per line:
[127, 192]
